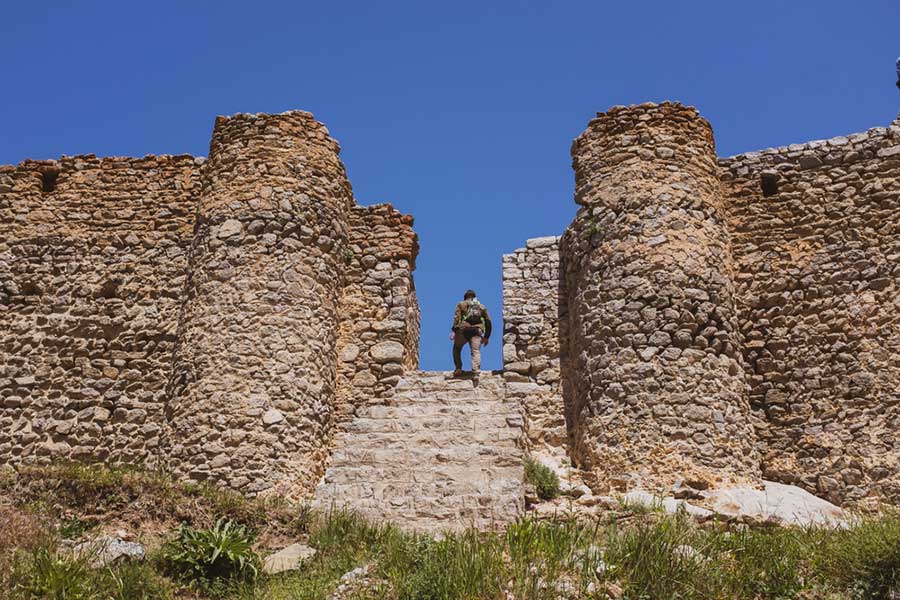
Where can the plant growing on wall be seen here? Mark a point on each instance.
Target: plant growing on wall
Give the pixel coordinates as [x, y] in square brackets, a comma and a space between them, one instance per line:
[542, 478]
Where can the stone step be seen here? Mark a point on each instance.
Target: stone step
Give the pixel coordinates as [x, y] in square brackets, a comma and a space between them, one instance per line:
[444, 454]
[479, 393]
[445, 437]
[482, 388]
[430, 382]
[430, 443]
[433, 514]
[443, 394]
[404, 492]
[354, 473]
[498, 453]
[434, 420]
[465, 404]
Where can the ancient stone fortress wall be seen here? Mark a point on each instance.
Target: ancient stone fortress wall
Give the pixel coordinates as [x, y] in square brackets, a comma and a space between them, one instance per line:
[533, 312]
[93, 260]
[658, 377]
[172, 310]
[255, 379]
[816, 238]
[721, 319]
[379, 330]
[701, 319]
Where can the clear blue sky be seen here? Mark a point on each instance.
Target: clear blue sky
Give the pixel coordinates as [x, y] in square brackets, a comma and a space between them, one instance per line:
[461, 113]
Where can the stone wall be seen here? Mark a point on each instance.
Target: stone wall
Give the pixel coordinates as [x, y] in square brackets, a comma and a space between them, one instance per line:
[817, 261]
[254, 384]
[533, 313]
[699, 319]
[736, 327]
[92, 268]
[658, 375]
[379, 329]
[188, 312]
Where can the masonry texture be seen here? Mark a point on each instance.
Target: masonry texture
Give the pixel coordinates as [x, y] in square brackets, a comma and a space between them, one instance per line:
[194, 313]
[255, 376]
[816, 270]
[534, 323]
[445, 453]
[91, 282]
[242, 320]
[719, 319]
[653, 325]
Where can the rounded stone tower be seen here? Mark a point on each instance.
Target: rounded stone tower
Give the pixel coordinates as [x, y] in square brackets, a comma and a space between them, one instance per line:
[253, 386]
[655, 386]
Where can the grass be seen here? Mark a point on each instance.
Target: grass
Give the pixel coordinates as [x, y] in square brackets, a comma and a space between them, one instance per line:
[864, 558]
[65, 491]
[634, 506]
[73, 527]
[21, 530]
[656, 556]
[47, 573]
[645, 555]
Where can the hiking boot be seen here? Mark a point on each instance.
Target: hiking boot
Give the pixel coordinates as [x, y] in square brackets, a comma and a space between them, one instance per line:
[458, 373]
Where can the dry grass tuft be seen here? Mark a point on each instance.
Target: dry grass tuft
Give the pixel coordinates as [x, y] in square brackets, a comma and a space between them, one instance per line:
[20, 529]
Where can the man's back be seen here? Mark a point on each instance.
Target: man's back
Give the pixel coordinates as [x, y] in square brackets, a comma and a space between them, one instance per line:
[471, 312]
[471, 325]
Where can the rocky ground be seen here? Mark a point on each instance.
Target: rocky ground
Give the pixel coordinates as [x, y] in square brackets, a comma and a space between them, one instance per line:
[110, 530]
[771, 503]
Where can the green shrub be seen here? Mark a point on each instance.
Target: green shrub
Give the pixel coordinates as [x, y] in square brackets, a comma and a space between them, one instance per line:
[542, 478]
[207, 557]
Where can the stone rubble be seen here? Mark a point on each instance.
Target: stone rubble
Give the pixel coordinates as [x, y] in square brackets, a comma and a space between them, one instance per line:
[355, 583]
[777, 502]
[105, 550]
[772, 504]
[288, 558]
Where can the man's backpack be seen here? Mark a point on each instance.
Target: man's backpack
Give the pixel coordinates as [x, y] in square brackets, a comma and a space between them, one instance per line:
[474, 313]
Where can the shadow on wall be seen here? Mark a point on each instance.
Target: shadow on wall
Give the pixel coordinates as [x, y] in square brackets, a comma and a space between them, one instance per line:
[566, 369]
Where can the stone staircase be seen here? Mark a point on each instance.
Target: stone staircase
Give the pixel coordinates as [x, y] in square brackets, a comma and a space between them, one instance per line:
[445, 454]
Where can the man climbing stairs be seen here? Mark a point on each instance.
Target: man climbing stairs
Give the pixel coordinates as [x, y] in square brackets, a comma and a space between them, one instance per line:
[445, 454]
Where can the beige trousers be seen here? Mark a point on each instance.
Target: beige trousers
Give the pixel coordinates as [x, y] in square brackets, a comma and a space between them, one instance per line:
[473, 338]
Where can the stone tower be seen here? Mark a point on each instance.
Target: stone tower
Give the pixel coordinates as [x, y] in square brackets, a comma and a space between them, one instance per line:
[655, 381]
[253, 386]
